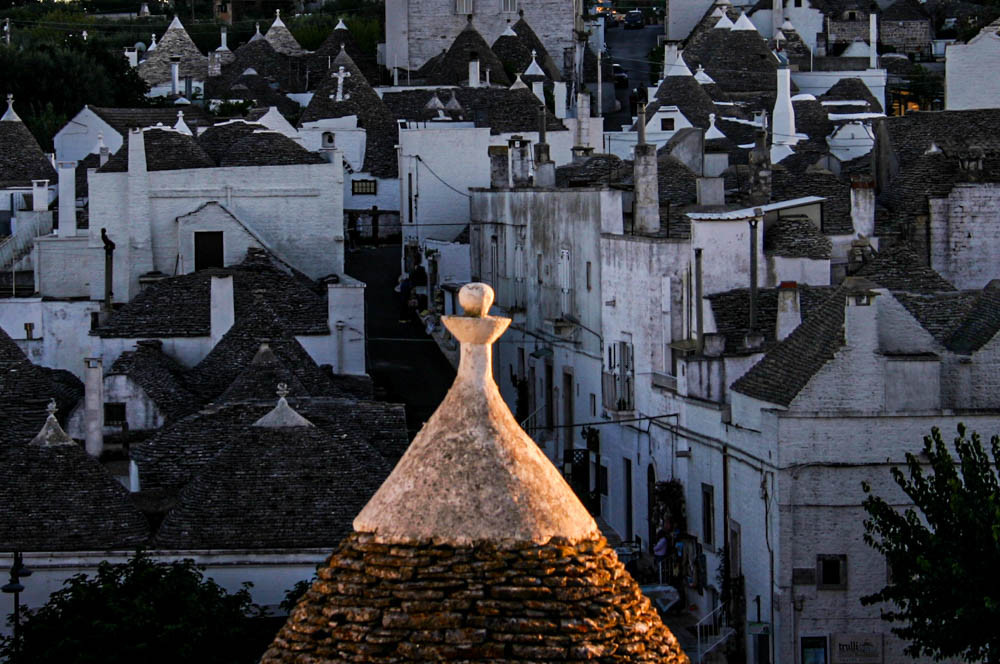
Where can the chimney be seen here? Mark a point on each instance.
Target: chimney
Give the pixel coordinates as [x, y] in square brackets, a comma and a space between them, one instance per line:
[872, 40]
[223, 308]
[109, 267]
[783, 135]
[863, 204]
[39, 195]
[175, 74]
[754, 223]
[760, 170]
[214, 63]
[789, 313]
[777, 16]
[519, 160]
[711, 190]
[132, 56]
[67, 198]
[499, 166]
[223, 37]
[861, 313]
[698, 311]
[559, 99]
[93, 405]
[647, 187]
[473, 69]
[545, 168]
[102, 149]
[538, 88]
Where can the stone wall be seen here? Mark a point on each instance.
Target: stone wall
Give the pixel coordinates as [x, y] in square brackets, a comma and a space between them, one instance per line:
[965, 235]
[906, 36]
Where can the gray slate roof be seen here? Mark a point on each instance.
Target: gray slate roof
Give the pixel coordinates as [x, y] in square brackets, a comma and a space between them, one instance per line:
[21, 158]
[452, 67]
[788, 367]
[123, 119]
[731, 311]
[738, 60]
[898, 268]
[179, 306]
[268, 148]
[276, 488]
[166, 150]
[962, 321]
[155, 69]
[159, 375]
[787, 185]
[545, 59]
[61, 499]
[502, 110]
[796, 237]
[851, 89]
[217, 141]
[688, 95]
[361, 100]
[281, 38]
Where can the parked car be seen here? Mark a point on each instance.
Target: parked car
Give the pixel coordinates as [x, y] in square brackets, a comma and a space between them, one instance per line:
[620, 75]
[634, 20]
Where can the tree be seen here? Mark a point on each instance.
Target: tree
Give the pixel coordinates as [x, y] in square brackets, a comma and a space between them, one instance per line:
[944, 552]
[143, 611]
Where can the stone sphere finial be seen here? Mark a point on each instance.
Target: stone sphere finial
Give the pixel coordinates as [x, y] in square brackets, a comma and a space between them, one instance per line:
[476, 299]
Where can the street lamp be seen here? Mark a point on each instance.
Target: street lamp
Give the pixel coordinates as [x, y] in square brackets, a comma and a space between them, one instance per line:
[17, 572]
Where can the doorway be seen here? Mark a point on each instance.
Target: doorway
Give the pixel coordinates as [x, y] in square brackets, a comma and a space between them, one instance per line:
[207, 250]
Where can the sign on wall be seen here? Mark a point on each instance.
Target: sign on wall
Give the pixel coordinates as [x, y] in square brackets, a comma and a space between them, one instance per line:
[856, 648]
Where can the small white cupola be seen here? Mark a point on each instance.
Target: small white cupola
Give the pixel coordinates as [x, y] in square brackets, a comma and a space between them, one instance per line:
[533, 69]
[341, 25]
[712, 132]
[282, 416]
[744, 23]
[519, 84]
[723, 23]
[9, 115]
[181, 126]
[702, 76]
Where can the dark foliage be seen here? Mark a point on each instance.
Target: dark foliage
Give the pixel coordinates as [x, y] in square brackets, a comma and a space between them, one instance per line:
[142, 611]
[943, 553]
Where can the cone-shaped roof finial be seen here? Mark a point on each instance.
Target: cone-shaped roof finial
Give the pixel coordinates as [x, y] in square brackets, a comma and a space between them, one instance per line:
[52, 435]
[472, 474]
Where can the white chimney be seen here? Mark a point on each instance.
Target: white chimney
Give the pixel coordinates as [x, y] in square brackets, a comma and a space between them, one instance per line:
[789, 313]
[783, 135]
[175, 74]
[473, 69]
[863, 204]
[67, 198]
[93, 405]
[647, 187]
[223, 307]
[872, 41]
[583, 119]
[559, 96]
[538, 87]
[222, 38]
[132, 56]
[39, 195]
[103, 150]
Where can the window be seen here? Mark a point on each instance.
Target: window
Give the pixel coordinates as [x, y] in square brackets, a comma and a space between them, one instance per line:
[508, 6]
[708, 515]
[602, 480]
[364, 187]
[852, 16]
[463, 6]
[539, 265]
[495, 264]
[618, 379]
[735, 550]
[114, 414]
[564, 281]
[589, 282]
[831, 572]
[519, 269]
[593, 404]
[207, 250]
[666, 124]
[329, 139]
[813, 650]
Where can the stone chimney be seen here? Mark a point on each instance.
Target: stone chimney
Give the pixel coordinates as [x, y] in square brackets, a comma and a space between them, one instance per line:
[175, 74]
[711, 190]
[39, 195]
[519, 160]
[223, 37]
[783, 135]
[136, 255]
[474, 81]
[760, 170]
[647, 187]
[93, 405]
[860, 314]
[214, 63]
[545, 168]
[582, 150]
[499, 166]
[103, 151]
[67, 198]
[789, 313]
[223, 307]
[863, 204]
[559, 99]
[872, 41]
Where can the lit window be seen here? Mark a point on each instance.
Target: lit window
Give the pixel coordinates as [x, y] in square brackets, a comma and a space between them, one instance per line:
[364, 187]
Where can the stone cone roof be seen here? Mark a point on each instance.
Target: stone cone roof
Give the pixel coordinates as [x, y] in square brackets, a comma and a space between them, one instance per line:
[453, 68]
[21, 158]
[474, 549]
[280, 37]
[155, 69]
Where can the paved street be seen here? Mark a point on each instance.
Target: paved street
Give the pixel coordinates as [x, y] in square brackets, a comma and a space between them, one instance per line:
[630, 49]
[403, 360]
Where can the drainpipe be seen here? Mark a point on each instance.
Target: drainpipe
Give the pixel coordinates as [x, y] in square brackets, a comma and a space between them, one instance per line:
[109, 266]
[753, 268]
[699, 314]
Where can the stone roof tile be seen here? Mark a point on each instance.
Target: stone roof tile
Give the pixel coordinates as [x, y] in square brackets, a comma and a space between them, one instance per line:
[155, 69]
[796, 236]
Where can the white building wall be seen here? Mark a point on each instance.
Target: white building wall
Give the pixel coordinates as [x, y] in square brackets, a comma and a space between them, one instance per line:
[814, 272]
[965, 235]
[78, 138]
[965, 85]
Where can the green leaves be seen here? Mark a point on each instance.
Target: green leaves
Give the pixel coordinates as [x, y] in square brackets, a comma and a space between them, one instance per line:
[146, 611]
[945, 552]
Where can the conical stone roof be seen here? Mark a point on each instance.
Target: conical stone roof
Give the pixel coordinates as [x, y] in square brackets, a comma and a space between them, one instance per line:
[453, 68]
[280, 37]
[21, 158]
[155, 69]
[474, 549]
